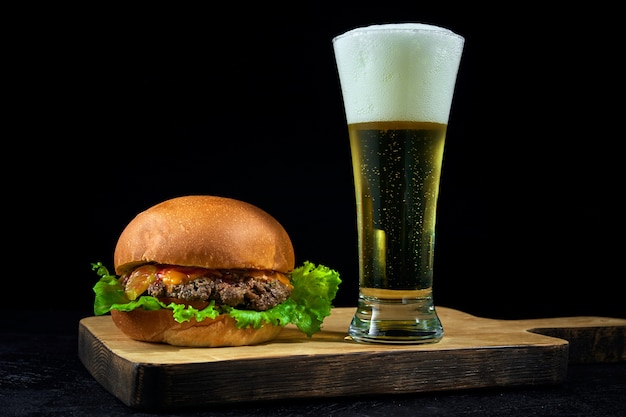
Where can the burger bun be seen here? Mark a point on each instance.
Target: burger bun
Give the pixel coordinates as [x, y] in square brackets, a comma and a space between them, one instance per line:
[205, 231]
[159, 326]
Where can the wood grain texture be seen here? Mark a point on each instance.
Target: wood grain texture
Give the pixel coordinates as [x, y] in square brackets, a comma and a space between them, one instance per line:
[474, 353]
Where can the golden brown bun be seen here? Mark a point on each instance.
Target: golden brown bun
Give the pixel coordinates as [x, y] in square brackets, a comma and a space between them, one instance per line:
[160, 326]
[205, 231]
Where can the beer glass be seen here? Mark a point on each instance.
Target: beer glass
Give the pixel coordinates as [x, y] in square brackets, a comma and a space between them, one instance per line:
[397, 83]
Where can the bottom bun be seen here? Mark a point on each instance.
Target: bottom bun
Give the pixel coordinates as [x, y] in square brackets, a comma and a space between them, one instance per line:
[159, 326]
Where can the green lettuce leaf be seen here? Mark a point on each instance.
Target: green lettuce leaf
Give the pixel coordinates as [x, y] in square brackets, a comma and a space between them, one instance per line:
[314, 288]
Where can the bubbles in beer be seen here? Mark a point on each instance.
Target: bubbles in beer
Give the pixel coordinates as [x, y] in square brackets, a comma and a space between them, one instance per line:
[398, 202]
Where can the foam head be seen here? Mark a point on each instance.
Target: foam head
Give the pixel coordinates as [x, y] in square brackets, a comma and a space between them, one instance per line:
[404, 72]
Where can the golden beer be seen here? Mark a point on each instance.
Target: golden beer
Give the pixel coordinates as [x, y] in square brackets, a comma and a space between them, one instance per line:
[397, 82]
[397, 167]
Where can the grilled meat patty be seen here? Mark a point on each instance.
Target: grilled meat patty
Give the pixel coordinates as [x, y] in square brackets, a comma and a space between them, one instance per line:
[234, 288]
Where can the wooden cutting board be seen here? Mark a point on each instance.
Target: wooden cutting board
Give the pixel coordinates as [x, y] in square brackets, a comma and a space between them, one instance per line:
[474, 353]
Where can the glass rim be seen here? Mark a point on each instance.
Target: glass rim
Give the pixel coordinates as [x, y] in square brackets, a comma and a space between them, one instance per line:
[399, 27]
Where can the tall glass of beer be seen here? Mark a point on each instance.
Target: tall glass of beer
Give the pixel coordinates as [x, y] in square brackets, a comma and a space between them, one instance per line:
[397, 83]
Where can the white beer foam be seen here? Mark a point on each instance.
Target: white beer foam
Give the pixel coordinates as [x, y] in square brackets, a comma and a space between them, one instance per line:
[388, 73]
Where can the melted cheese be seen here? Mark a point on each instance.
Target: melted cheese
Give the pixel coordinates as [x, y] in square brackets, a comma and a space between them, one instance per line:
[172, 275]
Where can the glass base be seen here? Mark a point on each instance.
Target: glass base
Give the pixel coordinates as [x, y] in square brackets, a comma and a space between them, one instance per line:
[396, 321]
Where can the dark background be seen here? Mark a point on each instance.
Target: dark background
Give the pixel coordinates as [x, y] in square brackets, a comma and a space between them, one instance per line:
[116, 110]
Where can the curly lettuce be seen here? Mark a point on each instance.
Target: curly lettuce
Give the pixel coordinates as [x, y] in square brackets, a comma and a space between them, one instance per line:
[314, 289]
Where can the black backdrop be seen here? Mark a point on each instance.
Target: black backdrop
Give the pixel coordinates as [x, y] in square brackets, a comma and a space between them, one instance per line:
[126, 108]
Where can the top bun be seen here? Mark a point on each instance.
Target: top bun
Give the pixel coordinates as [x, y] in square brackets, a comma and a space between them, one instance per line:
[205, 231]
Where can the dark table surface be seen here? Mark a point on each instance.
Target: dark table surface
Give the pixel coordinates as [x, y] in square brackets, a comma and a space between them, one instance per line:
[41, 375]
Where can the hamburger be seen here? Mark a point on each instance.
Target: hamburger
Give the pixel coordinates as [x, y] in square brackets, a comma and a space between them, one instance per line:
[209, 271]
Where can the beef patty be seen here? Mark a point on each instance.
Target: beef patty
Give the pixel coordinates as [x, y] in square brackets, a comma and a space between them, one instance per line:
[234, 288]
